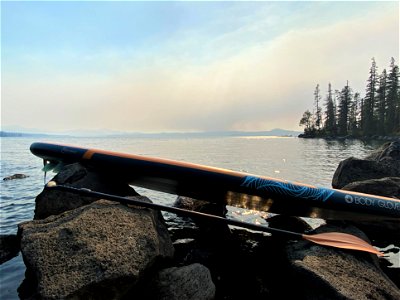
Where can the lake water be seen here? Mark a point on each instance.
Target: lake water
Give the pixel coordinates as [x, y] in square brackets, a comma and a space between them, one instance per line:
[311, 161]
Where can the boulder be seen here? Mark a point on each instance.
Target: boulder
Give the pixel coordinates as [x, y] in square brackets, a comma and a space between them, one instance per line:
[200, 206]
[377, 174]
[51, 202]
[383, 162]
[9, 247]
[385, 230]
[191, 282]
[320, 272]
[97, 251]
[290, 223]
[387, 187]
[212, 229]
[390, 150]
[354, 169]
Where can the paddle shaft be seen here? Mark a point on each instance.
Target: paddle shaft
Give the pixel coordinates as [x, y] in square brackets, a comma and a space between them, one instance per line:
[331, 239]
[177, 211]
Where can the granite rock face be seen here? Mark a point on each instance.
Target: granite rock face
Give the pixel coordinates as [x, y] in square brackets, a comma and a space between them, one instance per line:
[97, 251]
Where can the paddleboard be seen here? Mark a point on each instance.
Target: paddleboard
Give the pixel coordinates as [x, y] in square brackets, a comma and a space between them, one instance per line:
[225, 186]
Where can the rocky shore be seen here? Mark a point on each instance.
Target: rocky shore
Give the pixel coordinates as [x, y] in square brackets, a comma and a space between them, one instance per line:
[86, 248]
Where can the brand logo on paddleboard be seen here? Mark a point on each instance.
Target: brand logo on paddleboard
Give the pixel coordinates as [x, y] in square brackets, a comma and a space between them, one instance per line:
[359, 200]
[365, 201]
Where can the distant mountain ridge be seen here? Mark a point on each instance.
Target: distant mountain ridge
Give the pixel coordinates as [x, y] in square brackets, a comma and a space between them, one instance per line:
[99, 133]
[28, 134]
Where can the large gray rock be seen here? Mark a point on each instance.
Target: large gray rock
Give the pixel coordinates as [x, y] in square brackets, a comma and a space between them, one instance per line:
[53, 202]
[354, 169]
[383, 162]
[328, 273]
[191, 282]
[98, 251]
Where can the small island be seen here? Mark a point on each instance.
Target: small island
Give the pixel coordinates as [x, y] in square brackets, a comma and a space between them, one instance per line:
[345, 114]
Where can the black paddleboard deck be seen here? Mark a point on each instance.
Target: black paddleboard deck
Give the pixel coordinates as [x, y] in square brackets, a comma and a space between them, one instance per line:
[226, 186]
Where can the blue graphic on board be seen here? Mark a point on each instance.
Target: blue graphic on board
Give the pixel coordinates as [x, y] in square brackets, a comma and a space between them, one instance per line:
[287, 188]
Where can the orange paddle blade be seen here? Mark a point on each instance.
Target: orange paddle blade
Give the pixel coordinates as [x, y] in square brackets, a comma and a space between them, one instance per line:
[342, 240]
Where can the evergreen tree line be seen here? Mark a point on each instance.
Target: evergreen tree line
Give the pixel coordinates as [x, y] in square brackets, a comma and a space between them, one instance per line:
[345, 112]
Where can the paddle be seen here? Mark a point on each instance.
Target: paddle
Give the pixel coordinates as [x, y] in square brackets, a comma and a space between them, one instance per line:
[332, 239]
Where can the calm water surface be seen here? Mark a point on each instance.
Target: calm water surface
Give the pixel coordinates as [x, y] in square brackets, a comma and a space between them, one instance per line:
[310, 161]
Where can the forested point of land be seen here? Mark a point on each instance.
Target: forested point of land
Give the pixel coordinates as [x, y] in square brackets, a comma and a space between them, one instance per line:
[344, 113]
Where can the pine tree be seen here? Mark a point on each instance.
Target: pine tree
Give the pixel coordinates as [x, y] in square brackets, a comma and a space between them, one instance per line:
[392, 99]
[344, 104]
[330, 116]
[354, 114]
[318, 110]
[381, 107]
[368, 122]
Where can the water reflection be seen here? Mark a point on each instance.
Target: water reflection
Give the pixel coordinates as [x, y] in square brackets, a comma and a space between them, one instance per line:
[311, 161]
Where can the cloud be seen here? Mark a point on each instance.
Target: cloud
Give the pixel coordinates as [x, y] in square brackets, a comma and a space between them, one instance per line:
[265, 86]
[260, 85]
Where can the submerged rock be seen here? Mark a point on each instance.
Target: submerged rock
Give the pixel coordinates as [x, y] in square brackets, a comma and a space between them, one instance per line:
[98, 251]
[15, 176]
[52, 202]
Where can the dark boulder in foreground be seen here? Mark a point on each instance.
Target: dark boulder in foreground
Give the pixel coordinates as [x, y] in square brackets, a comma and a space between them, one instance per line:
[52, 202]
[9, 247]
[192, 282]
[319, 272]
[98, 251]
